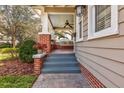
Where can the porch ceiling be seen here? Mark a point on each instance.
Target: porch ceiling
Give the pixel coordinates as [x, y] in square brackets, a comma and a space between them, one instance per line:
[58, 20]
[58, 14]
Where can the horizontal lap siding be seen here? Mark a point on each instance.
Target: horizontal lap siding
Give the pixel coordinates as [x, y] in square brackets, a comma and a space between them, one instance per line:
[104, 57]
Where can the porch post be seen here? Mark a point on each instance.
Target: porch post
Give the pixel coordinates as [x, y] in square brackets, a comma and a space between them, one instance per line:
[45, 36]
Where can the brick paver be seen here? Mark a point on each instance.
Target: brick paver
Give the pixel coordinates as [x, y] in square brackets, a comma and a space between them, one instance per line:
[61, 81]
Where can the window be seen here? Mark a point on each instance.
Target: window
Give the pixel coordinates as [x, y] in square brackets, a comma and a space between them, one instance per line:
[79, 29]
[79, 26]
[102, 21]
[103, 17]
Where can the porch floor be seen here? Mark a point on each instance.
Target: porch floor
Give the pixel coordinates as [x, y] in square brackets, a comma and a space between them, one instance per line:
[62, 51]
[61, 80]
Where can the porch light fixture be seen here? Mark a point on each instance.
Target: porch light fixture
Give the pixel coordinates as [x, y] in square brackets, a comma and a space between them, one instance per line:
[80, 10]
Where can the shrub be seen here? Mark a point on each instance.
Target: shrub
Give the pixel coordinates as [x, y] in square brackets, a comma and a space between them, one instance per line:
[8, 50]
[18, 45]
[5, 45]
[26, 51]
[12, 51]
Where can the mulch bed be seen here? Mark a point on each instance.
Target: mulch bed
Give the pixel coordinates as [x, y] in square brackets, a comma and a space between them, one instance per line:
[15, 67]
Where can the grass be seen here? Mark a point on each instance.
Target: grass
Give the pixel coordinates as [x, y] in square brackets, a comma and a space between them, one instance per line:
[17, 81]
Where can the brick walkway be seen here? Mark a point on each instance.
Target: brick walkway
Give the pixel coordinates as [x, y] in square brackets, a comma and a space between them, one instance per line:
[61, 81]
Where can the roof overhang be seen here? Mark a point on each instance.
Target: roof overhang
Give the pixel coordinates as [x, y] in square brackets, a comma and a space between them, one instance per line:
[59, 9]
[55, 8]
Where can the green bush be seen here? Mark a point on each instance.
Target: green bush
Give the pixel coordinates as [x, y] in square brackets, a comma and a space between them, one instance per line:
[18, 45]
[26, 51]
[5, 45]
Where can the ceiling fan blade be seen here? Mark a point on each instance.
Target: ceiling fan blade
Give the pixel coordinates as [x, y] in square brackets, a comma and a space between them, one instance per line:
[70, 26]
[65, 26]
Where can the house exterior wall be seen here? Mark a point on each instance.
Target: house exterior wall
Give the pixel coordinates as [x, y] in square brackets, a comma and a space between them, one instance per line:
[103, 57]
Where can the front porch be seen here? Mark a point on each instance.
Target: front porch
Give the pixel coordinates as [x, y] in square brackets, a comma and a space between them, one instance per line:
[63, 41]
[60, 68]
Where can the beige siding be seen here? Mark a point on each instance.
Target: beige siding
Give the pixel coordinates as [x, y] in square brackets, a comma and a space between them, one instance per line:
[104, 57]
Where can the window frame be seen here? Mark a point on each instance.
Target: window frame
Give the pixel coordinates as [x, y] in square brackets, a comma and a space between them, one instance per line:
[78, 21]
[113, 29]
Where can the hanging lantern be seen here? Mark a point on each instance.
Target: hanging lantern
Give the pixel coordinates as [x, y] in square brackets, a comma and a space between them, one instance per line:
[80, 10]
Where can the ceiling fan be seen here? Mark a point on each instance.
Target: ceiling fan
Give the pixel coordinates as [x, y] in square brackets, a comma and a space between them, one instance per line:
[67, 24]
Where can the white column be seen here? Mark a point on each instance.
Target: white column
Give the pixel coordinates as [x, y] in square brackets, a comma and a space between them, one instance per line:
[44, 23]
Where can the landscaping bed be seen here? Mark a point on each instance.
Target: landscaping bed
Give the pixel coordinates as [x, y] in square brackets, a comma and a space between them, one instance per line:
[14, 67]
[15, 74]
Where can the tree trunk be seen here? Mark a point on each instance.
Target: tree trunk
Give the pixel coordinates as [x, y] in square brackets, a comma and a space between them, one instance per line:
[13, 42]
[13, 37]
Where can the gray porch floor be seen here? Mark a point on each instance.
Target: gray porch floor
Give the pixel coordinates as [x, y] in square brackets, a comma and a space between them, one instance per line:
[63, 51]
[61, 80]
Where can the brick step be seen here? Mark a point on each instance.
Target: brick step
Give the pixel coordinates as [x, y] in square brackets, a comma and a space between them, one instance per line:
[61, 70]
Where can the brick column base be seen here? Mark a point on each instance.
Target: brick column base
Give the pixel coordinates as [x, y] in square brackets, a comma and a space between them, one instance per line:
[37, 66]
[93, 81]
[45, 39]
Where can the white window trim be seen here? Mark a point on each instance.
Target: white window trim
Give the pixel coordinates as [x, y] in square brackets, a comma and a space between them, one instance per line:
[78, 39]
[106, 32]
